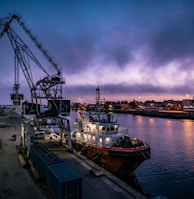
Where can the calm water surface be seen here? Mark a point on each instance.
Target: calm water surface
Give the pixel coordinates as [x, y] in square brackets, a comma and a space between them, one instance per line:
[170, 171]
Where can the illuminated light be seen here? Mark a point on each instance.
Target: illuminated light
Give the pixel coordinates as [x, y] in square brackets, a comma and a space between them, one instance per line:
[169, 123]
[92, 127]
[93, 138]
[151, 120]
[100, 140]
[139, 118]
[134, 140]
[107, 140]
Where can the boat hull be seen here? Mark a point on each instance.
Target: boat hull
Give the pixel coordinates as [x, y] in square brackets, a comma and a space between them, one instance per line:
[120, 162]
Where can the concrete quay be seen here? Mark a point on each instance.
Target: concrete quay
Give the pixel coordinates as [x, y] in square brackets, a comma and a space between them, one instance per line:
[97, 182]
[18, 183]
[15, 181]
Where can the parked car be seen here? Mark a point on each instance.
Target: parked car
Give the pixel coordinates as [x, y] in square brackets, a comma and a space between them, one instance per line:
[13, 137]
[39, 134]
[55, 136]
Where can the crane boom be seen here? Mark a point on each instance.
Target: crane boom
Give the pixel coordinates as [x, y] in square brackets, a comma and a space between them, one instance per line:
[23, 53]
[5, 25]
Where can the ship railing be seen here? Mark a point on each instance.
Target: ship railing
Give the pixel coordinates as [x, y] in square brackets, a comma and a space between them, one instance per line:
[123, 130]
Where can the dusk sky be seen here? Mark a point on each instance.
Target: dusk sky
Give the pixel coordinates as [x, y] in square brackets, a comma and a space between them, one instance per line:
[131, 49]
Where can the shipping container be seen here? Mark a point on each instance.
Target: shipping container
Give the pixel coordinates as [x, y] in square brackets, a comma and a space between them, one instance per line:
[64, 182]
[42, 158]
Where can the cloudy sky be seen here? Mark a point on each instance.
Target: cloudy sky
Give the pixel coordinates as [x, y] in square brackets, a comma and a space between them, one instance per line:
[132, 49]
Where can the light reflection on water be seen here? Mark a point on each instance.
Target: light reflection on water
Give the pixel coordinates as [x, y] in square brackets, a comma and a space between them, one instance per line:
[170, 171]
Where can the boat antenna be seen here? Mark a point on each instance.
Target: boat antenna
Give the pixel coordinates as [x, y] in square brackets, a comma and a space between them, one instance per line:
[97, 99]
[98, 95]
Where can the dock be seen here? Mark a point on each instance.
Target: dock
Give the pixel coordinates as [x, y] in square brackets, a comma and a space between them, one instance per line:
[96, 182]
[171, 114]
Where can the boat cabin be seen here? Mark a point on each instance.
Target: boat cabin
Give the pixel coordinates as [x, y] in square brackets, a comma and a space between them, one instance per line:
[98, 130]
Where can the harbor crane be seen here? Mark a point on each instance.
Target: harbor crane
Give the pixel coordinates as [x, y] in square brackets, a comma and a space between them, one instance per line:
[49, 87]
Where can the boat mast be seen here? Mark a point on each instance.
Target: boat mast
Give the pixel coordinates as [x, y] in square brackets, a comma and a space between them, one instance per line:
[98, 102]
[97, 96]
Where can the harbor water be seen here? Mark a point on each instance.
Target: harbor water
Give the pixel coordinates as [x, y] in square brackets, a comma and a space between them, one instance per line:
[170, 171]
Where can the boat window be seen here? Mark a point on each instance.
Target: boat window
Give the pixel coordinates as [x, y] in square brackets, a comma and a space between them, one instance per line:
[103, 128]
[112, 128]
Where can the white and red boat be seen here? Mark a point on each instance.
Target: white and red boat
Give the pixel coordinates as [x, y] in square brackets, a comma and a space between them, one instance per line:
[98, 136]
